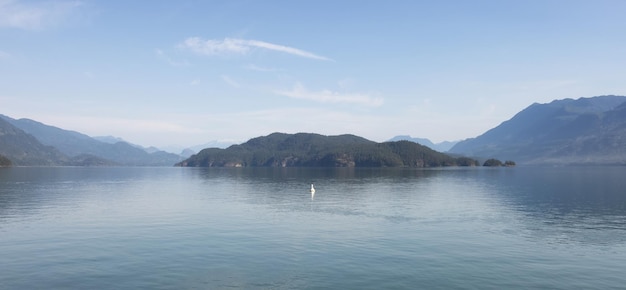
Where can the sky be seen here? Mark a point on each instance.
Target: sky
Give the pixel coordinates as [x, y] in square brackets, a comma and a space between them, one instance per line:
[163, 73]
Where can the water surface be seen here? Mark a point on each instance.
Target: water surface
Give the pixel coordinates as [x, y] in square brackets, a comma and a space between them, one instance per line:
[194, 228]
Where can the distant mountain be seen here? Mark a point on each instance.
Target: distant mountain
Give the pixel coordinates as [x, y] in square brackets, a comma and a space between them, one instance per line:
[188, 151]
[213, 144]
[441, 146]
[304, 149]
[79, 145]
[582, 131]
[114, 140]
[109, 139]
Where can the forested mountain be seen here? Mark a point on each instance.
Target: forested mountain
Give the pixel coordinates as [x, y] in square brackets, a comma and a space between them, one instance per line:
[304, 149]
[582, 131]
[83, 147]
[441, 146]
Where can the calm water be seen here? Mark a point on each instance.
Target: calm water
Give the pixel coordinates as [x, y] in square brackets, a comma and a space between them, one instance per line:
[191, 228]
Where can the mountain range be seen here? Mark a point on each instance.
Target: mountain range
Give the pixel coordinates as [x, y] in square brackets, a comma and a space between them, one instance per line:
[28, 142]
[568, 131]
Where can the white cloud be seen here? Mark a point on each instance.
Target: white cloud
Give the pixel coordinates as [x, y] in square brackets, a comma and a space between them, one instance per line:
[33, 16]
[327, 96]
[240, 46]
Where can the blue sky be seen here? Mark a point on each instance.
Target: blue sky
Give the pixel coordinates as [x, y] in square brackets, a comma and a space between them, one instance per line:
[188, 72]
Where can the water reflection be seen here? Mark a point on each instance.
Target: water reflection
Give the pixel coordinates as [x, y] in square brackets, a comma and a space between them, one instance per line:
[565, 204]
[497, 228]
[265, 174]
[27, 191]
[577, 204]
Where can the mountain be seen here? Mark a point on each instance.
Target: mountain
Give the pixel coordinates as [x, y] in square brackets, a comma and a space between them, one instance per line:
[568, 131]
[23, 149]
[305, 149]
[213, 144]
[79, 145]
[441, 146]
[114, 140]
[187, 152]
[109, 139]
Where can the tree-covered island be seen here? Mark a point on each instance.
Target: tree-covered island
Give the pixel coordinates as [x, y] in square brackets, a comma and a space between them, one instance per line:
[495, 163]
[5, 162]
[314, 150]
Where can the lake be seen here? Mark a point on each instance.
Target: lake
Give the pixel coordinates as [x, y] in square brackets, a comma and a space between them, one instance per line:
[260, 228]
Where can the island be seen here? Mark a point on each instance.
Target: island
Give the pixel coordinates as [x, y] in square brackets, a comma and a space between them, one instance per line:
[5, 162]
[315, 150]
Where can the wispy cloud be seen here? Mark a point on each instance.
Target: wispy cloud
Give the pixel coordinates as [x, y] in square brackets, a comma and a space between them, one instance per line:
[34, 16]
[259, 68]
[230, 81]
[161, 55]
[4, 55]
[240, 46]
[327, 96]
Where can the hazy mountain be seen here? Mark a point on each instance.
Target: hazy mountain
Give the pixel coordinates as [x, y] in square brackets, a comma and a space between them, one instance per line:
[213, 144]
[582, 131]
[188, 151]
[75, 144]
[113, 140]
[441, 146]
[109, 139]
[23, 149]
[304, 149]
